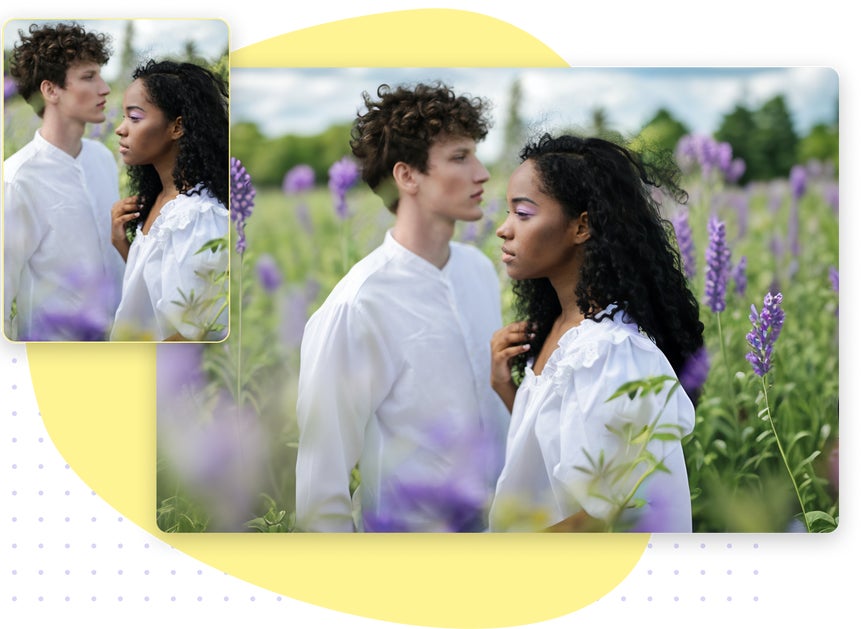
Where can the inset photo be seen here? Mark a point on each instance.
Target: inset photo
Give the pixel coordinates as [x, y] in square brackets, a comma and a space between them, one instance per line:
[116, 180]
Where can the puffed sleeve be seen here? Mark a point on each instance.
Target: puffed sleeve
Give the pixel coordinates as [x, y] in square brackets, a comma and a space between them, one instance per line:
[344, 376]
[22, 234]
[188, 288]
[606, 446]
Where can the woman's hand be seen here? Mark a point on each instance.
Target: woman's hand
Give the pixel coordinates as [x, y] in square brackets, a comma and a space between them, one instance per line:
[506, 344]
[122, 212]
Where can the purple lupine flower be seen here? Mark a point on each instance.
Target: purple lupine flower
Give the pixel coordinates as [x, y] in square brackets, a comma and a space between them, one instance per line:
[694, 373]
[269, 274]
[342, 175]
[766, 327]
[739, 200]
[833, 272]
[739, 276]
[294, 312]
[798, 180]
[718, 257]
[10, 88]
[735, 170]
[710, 155]
[299, 179]
[242, 201]
[683, 231]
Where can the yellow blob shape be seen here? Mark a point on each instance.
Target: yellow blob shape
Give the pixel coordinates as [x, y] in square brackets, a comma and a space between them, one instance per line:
[417, 38]
[98, 402]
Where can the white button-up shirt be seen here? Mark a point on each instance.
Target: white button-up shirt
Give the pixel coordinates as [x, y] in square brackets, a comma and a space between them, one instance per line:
[564, 431]
[58, 258]
[394, 374]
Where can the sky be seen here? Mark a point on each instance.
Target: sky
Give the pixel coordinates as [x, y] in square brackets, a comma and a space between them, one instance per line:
[154, 38]
[308, 100]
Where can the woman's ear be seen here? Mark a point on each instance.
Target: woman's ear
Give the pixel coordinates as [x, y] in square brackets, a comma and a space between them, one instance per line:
[580, 228]
[177, 128]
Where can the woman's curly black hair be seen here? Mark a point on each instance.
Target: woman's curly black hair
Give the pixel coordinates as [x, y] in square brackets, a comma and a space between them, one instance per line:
[402, 124]
[48, 52]
[200, 98]
[630, 259]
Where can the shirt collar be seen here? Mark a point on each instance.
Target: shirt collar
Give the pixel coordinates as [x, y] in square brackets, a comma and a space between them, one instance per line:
[55, 152]
[412, 260]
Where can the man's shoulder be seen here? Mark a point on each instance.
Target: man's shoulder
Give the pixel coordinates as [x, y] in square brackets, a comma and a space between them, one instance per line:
[469, 255]
[19, 160]
[97, 151]
[362, 276]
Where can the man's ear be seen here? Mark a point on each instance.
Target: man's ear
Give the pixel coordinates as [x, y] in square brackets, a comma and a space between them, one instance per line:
[50, 91]
[405, 178]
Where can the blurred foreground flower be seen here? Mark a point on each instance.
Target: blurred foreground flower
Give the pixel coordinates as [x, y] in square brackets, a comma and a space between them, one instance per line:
[213, 453]
[91, 321]
[765, 330]
[413, 499]
[343, 174]
[242, 201]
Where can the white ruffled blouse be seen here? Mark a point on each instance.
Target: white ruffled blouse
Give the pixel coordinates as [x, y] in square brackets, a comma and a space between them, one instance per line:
[569, 449]
[169, 286]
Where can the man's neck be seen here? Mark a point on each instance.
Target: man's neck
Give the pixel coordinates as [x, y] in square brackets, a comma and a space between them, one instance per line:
[63, 134]
[429, 239]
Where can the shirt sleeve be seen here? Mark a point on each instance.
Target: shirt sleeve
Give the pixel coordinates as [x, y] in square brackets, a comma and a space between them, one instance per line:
[22, 235]
[344, 371]
[607, 446]
[189, 288]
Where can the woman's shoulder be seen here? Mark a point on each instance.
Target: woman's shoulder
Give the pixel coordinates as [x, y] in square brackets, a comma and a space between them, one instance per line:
[608, 343]
[189, 209]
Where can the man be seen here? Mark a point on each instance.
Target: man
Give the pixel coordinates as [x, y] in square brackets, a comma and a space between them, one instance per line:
[394, 366]
[62, 277]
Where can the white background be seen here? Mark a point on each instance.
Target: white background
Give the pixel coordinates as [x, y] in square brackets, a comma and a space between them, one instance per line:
[51, 523]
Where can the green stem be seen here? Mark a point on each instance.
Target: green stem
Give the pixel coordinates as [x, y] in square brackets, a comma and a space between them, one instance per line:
[782, 452]
[240, 338]
[731, 396]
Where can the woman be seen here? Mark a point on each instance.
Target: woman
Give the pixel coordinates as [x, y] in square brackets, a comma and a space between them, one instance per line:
[602, 302]
[174, 139]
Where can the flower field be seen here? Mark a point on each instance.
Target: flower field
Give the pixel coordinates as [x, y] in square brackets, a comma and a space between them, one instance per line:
[762, 259]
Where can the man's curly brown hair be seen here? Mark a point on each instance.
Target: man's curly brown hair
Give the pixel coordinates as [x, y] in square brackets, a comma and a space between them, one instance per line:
[48, 52]
[403, 123]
